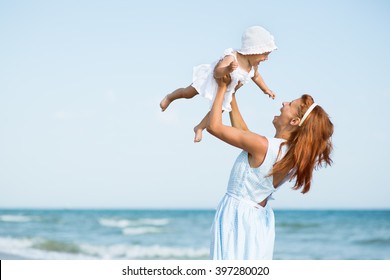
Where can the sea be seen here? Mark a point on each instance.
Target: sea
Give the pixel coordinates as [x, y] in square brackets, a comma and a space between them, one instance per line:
[184, 234]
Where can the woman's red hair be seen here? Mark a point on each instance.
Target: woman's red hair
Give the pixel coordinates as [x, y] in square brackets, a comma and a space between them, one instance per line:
[309, 146]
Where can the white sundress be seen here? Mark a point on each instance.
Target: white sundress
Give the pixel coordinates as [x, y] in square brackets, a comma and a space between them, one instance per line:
[242, 229]
[206, 86]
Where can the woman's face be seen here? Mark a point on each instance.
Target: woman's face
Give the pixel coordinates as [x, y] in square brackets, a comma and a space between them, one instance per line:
[288, 115]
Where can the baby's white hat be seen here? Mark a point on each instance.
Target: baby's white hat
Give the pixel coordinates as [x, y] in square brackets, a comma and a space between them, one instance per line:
[256, 40]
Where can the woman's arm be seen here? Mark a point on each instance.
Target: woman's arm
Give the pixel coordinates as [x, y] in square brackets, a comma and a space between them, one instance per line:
[256, 145]
[236, 119]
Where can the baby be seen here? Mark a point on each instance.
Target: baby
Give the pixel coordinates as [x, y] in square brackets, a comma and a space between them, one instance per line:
[242, 65]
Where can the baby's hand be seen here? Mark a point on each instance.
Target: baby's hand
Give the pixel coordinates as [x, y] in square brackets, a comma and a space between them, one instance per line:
[232, 66]
[270, 93]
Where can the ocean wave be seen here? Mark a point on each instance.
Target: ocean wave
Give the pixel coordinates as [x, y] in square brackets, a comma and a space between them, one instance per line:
[114, 223]
[296, 225]
[38, 248]
[16, 243]
[57, 246]
[154, 222]
[385, 241]
[122, 251]
[124, 223]
[15, 218]
[140, 230]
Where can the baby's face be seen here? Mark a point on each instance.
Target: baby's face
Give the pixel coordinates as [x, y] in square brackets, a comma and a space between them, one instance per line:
[257, 58]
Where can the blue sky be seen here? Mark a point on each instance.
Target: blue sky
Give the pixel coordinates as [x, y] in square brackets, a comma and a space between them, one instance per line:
[81, 82]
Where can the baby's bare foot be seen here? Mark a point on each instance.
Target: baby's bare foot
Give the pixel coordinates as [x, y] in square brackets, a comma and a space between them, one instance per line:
[165, 103]
[198, 134]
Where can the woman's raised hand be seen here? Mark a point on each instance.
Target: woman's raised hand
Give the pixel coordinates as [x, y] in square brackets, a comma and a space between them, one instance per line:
[232, 66]
[224, 81]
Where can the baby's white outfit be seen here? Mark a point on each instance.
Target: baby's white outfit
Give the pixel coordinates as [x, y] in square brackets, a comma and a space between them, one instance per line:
[206, 86]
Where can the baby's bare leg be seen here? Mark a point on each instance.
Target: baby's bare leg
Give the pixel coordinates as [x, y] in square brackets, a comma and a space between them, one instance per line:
[200, 127]
[187, 92]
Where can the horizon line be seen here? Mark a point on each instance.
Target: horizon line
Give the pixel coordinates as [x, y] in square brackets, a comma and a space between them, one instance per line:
[191, 208]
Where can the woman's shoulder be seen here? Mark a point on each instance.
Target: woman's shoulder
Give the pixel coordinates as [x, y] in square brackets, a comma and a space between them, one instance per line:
[277, 147]
[274, 144]
[257, 148]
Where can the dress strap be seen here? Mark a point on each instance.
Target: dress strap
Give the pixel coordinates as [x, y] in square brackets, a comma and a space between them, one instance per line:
[230, 51]
[235, 57]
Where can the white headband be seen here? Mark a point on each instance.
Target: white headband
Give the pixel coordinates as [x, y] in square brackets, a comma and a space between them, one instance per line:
[307, 113]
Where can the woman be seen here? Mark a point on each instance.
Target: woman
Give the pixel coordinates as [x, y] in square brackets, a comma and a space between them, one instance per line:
[244, 226]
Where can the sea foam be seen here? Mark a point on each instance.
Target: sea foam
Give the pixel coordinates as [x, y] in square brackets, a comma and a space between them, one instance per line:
[15, 218]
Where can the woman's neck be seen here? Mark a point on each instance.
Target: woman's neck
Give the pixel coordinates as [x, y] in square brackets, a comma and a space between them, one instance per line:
[282, 135]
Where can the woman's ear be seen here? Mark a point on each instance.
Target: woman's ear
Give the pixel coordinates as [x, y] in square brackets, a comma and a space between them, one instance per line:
[295, 121]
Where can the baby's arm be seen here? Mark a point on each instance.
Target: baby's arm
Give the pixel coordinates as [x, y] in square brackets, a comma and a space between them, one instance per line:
[258, 79]
[225, 66]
